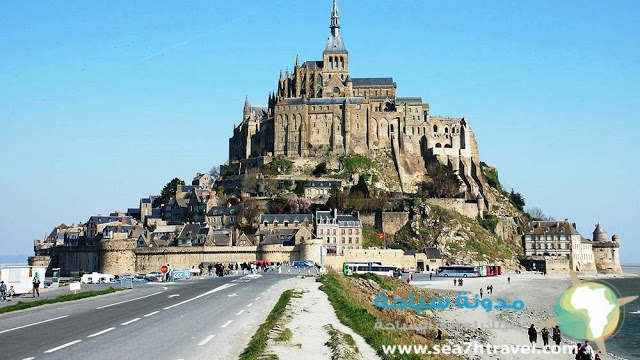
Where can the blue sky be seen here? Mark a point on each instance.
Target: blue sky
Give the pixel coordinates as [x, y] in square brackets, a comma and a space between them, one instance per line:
[103, 102]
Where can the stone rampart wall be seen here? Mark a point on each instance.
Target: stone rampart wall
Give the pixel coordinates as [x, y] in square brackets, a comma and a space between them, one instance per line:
[468, 209]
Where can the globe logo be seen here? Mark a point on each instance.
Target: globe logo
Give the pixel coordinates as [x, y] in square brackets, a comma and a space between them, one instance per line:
[588, 311]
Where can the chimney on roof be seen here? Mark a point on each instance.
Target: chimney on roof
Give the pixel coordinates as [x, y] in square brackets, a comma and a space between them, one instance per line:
[574, 226]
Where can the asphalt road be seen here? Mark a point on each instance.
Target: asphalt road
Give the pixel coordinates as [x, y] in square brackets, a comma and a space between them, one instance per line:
[201, 318]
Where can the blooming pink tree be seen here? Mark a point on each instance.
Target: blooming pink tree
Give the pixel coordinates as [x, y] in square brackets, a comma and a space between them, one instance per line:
[299, 205]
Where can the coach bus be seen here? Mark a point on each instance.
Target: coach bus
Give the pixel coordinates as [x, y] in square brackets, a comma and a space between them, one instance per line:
[458, 271]
[349, 267]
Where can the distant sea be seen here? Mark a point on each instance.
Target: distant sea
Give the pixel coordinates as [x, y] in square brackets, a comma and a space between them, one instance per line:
[625, 341]
[14, 259]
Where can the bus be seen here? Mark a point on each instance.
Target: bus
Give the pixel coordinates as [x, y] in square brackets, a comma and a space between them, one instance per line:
[458, 271]
[349, 267]
[376, 269]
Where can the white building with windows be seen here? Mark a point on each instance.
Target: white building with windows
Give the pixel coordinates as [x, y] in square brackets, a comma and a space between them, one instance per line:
[338, 232]
[559, 240]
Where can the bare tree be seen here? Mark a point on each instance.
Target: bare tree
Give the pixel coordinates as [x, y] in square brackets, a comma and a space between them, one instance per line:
[537, 214]
[215, 172]
[250, 209]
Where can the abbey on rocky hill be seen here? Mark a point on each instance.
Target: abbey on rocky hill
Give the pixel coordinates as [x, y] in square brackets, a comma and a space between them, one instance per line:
[320, 109]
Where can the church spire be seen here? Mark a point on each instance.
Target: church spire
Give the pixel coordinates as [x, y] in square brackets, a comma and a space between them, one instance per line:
[247, 107]
[335, 19]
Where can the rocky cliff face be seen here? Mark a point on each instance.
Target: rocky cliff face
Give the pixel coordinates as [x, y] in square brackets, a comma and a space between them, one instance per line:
[461, 240]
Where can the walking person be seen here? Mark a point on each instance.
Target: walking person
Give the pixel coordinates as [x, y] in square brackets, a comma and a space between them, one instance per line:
[430, 276]
[545, 338]
[455, 282]
[36, 285]
[557, 335]
[588, 351]
[480, 293]
[460, 282]
[579, 351]
[508, 280]
[3, 291]
[533, 336]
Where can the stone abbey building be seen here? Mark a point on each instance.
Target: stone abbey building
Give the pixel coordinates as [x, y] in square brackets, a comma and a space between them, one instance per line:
[320, 108]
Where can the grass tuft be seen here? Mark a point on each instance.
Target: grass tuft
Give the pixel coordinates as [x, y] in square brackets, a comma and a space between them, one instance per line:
[258, 342]
[62, 298]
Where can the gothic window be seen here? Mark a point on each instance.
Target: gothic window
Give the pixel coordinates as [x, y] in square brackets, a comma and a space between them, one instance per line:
[446, 130]
[435, 128]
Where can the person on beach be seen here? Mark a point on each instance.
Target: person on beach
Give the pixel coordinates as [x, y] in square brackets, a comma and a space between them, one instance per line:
[588, 351]
[455, 282]
[533, 336]
[545, 338]
[557, 335]
[579, 351]
[460, 282]
[508, 280]
[480, 293]
[491, 288]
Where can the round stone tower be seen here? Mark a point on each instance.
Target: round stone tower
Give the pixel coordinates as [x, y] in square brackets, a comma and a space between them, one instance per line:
[117, 257]
[310, 250]
[480, 203]
[599, 234]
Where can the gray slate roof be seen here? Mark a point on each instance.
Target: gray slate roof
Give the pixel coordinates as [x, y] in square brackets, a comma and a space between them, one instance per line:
[433, 253]
[313, 64]
[409, 100]
[281, 218]
[316, 183]
[335, 45]
[599, 230]
[373, 82]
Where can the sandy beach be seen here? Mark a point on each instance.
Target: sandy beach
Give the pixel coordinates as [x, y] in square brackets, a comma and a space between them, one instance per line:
[503, 327]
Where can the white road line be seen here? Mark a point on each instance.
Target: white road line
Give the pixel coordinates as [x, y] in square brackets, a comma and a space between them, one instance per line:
[239, 312]
[36, 323]
[130, 321]
[249, 304]
[101, 332]
[62, 346]
[206, 340]
[151, 314]
[126, 301]
[258, 298]
[226, 324]
[262, 293]
[225, 286]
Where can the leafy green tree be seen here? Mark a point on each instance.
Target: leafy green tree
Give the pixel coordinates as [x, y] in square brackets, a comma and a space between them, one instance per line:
[444, 182]
[361, 187]
[170, 190]
[336, 198]
[517, 199]
[321, 169]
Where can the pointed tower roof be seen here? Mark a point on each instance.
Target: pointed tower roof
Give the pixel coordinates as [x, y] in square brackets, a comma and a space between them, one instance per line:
[247, 107]
[335, 43]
